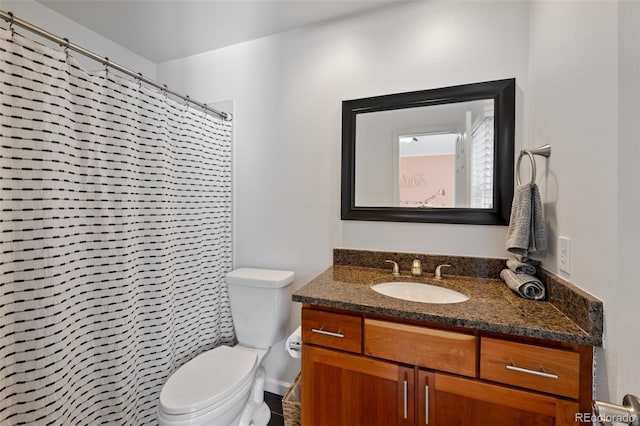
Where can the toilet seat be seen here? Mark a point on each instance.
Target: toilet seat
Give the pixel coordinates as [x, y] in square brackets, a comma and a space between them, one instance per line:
[208, 381]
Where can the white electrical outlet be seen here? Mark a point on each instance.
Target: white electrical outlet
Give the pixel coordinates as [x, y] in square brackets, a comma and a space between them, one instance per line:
[564, 254]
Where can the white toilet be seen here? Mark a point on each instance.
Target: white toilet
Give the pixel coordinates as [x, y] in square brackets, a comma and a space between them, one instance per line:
[225, 386]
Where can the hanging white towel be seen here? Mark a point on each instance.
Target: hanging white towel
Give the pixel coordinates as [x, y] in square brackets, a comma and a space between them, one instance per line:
[527, 235]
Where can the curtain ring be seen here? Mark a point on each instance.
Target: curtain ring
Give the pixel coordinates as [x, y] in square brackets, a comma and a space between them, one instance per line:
[66, 47]
[533, 167]
[106, 65]
[11, 27]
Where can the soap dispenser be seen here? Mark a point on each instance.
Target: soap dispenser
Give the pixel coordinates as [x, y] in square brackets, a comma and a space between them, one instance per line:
[416, 268]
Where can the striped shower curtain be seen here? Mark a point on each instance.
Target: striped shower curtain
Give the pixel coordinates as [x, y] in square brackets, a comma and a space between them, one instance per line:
[115, 217]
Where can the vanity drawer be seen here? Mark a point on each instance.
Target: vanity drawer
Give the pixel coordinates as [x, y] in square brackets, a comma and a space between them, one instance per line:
[534, 367]
[338, 331]
[426, 347]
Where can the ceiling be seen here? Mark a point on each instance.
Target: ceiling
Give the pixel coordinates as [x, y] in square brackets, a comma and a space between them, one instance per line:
[163, 30]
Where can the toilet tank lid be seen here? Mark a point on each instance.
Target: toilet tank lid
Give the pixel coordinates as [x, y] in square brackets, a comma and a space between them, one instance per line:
[255, 277]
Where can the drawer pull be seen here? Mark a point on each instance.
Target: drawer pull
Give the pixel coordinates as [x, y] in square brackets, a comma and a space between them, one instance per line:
[327, 333]
[534, 372]
[405, 399]
[426, 405]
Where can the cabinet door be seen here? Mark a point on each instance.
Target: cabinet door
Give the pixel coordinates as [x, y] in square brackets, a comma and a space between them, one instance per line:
[344, 389]
[457, 401]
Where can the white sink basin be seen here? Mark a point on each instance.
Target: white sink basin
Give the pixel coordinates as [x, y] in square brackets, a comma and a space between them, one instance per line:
[418, 292]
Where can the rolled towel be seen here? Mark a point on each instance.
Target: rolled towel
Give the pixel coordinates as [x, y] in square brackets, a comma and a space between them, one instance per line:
[524, 285]
[521, 267]
[528, 260]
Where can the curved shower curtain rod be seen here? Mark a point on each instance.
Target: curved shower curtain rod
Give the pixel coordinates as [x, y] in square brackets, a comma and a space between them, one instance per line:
[12, 20]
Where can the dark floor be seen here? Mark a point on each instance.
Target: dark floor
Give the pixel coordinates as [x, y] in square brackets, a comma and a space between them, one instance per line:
[275, 403]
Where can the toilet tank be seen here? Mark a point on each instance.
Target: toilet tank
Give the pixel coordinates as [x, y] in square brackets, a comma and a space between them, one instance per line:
[260, 304]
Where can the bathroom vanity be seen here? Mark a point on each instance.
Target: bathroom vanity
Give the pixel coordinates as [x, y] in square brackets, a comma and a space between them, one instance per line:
[496, 359]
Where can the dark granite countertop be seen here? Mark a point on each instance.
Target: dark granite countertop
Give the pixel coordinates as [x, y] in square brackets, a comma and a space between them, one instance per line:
[492, 305]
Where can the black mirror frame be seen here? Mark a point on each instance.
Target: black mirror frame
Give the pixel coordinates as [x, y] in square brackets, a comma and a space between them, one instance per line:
[503, 94]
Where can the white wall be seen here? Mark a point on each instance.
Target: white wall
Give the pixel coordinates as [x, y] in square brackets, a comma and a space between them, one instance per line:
[624, 303]
[287, 91]
[584, 97]
[441, 44]
[45, 18]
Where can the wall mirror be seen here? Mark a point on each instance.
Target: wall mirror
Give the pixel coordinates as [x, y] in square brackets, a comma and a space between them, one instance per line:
[441, 155]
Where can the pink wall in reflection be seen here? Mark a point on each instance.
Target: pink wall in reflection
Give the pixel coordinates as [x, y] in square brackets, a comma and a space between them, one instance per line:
[421, 177]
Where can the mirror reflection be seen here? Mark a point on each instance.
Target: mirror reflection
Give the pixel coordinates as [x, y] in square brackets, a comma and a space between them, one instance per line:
[437, 156]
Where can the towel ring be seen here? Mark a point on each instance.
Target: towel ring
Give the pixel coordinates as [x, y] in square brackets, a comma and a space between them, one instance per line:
[544, 151]
[533, 167]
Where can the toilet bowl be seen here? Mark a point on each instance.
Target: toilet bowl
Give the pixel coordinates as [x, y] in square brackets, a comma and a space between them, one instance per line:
[225, 386]
[220, 387]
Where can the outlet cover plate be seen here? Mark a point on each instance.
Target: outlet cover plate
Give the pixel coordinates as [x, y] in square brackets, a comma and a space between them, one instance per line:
[564, 254]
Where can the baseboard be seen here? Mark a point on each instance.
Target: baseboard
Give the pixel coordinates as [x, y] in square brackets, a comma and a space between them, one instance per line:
[276, 386]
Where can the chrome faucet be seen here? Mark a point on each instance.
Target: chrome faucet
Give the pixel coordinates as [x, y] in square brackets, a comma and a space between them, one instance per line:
[438, 274]
[396, 270]
[629, 412]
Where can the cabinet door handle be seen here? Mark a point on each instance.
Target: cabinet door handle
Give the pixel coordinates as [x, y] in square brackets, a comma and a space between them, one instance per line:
[328, 333]
[534, 372]
[426, 404]
[405, 385]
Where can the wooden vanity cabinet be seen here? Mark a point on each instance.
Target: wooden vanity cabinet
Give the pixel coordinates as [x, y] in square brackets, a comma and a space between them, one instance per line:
[391, 373]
